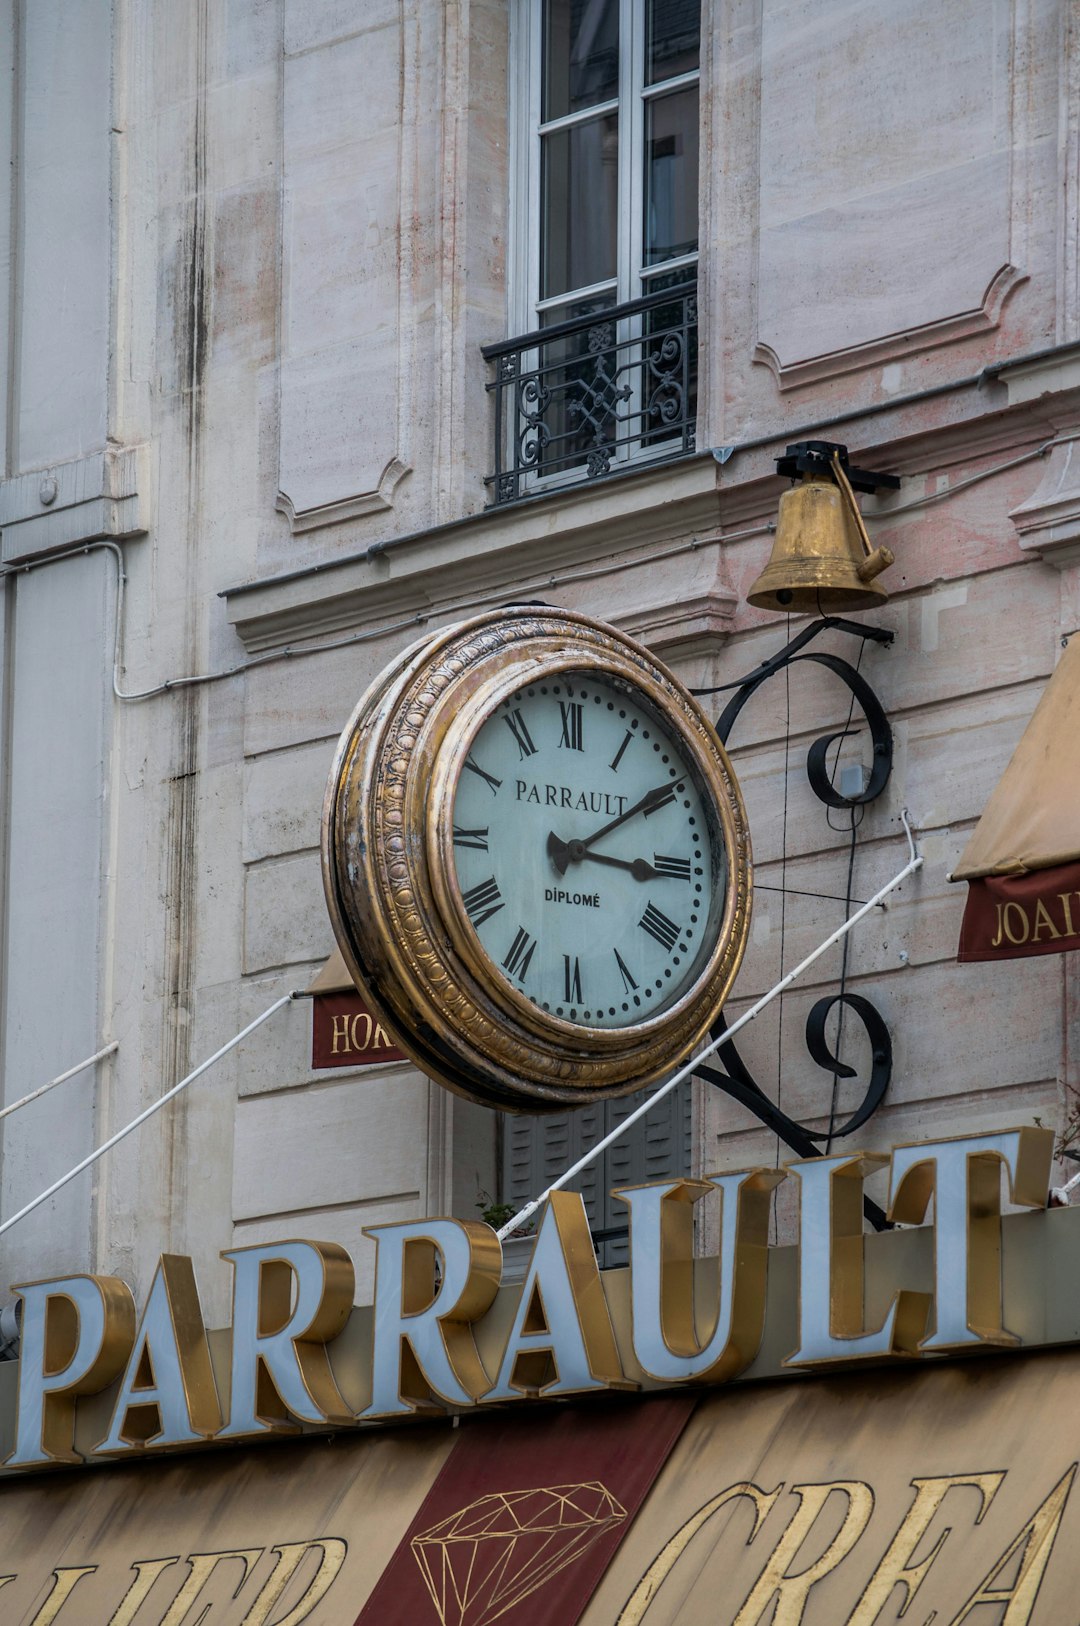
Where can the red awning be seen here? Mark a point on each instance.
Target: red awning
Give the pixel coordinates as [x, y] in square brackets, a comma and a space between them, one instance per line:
[1022, 863]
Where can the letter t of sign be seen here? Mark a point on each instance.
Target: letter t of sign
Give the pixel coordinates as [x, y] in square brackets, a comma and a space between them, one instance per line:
[964, 1176]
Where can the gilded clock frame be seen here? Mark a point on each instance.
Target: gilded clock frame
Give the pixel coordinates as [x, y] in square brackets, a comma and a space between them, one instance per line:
[390, 875]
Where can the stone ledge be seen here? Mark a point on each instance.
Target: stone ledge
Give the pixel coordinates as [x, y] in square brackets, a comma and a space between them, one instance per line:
[104, 494]
[428, 572]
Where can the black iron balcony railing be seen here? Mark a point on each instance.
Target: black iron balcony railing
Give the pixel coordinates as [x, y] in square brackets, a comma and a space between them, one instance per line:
[587, 397]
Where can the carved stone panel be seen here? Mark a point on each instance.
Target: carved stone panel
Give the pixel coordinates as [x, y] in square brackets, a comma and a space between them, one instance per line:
[339, 454]
[885, 205]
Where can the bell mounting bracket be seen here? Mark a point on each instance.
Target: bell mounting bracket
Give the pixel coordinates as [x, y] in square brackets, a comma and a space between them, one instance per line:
[814, 457]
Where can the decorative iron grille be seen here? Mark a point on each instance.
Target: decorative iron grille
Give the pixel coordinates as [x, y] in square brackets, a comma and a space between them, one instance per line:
[581, 399]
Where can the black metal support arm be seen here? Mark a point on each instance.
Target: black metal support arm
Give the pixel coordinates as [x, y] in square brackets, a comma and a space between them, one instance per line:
[735, 1078]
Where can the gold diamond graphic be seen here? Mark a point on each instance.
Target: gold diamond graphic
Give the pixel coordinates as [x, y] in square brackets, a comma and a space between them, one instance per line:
[490, 1555]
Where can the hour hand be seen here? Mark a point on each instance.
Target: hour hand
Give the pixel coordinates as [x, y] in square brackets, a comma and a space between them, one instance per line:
[558, 852]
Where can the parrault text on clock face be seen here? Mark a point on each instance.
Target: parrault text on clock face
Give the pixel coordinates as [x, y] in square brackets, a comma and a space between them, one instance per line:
[581, 801]
[586, 854]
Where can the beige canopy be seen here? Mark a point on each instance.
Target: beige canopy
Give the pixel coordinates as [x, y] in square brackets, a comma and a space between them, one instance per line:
[334, 978]
[1032, 820]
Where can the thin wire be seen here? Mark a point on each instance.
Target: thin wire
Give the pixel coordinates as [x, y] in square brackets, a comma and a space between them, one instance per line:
[296, 652]
[843, 990]
[974, 479]
[421, 618]
[915, 862]
[783, 902]
[148, 1112]
[855, 822]
[798, 892]
[80, 1066]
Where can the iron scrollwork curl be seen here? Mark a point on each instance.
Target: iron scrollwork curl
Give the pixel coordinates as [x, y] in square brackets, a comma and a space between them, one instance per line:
[735, 1078]
[863, 695]
[881, 1053]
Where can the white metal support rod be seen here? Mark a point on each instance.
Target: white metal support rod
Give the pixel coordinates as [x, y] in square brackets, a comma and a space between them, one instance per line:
[915, 862]
[99, 1055]
[147, 1113]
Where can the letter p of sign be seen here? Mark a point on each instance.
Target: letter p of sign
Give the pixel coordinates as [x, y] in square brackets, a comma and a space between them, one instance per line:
[77, 1333]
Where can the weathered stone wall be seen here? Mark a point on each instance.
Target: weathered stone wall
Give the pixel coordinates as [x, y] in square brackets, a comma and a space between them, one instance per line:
[298, 245]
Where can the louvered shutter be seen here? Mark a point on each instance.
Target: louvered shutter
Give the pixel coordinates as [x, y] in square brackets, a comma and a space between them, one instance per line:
[536, 1150]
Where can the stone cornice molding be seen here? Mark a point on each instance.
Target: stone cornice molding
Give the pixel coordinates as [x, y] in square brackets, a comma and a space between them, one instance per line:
[896, 346]
[430, 573]
[489, 551]
[1048, 522]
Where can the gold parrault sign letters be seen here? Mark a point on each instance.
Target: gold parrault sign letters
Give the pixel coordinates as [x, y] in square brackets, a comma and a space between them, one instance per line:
[437, 1280]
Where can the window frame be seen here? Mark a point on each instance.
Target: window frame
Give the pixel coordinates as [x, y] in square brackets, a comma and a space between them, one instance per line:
[632, 280]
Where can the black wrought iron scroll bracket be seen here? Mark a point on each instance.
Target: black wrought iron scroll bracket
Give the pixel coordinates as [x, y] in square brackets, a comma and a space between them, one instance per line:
[735, 1079]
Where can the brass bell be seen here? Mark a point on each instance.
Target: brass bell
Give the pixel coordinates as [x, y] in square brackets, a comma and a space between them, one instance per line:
[821, 560]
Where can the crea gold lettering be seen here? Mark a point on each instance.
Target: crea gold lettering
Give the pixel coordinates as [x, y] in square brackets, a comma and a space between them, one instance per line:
[1035, 1542]
[634, 1610]
[896, 1568]
[339, 1032]
[1014, 936]
[332, 1554]
[790, 1591]
[147, 1571]
[1043, 922]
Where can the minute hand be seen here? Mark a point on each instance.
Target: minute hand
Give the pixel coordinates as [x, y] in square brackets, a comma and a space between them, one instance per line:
[648, 804]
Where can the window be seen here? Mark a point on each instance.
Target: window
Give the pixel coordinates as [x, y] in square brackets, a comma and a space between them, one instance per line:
[613, 138]
[605, 196]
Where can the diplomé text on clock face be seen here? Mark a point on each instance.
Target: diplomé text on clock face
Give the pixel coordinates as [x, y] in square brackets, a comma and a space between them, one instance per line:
[573, 788]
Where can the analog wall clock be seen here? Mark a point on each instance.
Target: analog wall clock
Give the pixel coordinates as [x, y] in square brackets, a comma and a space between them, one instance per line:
[536, 859]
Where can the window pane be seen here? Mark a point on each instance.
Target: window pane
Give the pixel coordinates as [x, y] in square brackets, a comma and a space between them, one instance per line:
[672, 38]
[579, 185]
[581, 55]
[671, 176]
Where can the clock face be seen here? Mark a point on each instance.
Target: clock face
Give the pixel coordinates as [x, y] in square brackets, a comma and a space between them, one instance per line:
[589, 858]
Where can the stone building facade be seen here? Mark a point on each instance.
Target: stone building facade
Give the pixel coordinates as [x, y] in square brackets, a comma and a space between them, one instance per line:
[251, 254]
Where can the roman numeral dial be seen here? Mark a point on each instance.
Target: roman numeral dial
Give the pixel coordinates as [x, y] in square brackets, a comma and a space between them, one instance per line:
[656, 923]
[519, 956]
[519, 729]
[572, 732]
[482, 901]
[584, 850]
